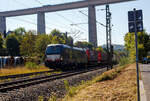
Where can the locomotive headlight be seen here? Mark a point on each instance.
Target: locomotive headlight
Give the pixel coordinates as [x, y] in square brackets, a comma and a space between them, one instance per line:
[61, 58]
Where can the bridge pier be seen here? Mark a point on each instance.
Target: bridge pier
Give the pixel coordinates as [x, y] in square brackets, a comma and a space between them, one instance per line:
[41, 23]
[2, 24]
[92, 25]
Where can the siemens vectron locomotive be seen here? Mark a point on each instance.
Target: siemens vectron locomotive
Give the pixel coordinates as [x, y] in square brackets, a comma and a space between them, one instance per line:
[60, 56]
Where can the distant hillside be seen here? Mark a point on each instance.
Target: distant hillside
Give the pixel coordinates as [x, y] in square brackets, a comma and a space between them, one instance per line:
[116, 47]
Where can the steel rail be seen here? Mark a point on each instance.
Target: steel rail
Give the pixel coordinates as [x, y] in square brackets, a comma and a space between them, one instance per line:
[4, 87]
[24, 75]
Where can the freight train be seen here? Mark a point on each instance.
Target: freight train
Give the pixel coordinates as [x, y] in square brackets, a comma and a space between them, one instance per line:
[60, 56]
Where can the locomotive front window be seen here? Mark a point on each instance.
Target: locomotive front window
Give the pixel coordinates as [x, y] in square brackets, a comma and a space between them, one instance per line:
[53, 50]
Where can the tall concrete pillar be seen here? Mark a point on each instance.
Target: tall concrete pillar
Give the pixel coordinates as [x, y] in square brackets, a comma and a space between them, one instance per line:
[41, 23]
[2, 24]
[92, 25]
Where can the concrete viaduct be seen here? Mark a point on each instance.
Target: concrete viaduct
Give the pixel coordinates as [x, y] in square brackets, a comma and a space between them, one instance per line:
[40, 11]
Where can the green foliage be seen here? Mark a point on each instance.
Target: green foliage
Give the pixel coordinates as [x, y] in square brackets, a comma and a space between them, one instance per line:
[118, 55]
[57, 40]
[70, 90]
[12, 45]
[143, 44]
[31, 65]
[60, 38]
[41, 43]
[56, 32]
[40, 98]
[109, 75]
[1, 42]
[84, 44]
[124, 60]
[53, 98]
[27, 46]
[20, 31]
[66, 85]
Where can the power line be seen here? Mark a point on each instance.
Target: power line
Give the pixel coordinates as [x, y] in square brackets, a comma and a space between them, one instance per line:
[28, 6]
[55, 13]
[78, 24]
[39, 2]
[21, 3]
[76, 34]
[56, 24]
[63, 17]
[93, 18]
[69, 21]
[28, 22]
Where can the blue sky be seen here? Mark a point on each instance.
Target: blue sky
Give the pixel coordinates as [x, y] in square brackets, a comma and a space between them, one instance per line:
[62, 20]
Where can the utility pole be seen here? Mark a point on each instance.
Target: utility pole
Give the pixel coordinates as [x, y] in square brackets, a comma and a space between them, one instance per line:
[108, 36]
[135, 20]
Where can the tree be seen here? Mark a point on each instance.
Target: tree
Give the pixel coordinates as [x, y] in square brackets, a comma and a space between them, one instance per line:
[60, 38]
[27, 46]
[56, 32]
[57, 40]
[12, 45]
[20, 31]
[41, 43]
[69, 41]
[1, 42]
[143, 44]
[84, 44]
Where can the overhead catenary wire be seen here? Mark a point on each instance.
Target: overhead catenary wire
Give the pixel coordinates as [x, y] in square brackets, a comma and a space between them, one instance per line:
[29, 6]
[76, 34]
[26, 21]
[78, 23]
[20, 3]
[39, 2]
[67, 19]
[47, 16]
[93, 18]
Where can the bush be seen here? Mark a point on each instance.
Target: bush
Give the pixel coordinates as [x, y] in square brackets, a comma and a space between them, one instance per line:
[31, 65]
[53, 98]
[109, 75]
[71, 91]
[40, 98]
[124, 61]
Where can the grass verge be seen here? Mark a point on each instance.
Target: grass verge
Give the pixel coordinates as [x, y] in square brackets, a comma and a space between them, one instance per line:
[115, 85]
[21, 70]
[74, 90]
[109, 75]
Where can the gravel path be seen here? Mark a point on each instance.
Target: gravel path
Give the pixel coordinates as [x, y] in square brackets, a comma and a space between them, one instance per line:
[45, 90]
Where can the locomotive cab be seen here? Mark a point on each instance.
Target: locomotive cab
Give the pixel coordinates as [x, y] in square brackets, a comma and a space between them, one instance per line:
[53, 55]
[60, 56]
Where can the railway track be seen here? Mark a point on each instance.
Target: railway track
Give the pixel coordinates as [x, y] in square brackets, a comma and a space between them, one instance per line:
[25, 75]
[8, 86]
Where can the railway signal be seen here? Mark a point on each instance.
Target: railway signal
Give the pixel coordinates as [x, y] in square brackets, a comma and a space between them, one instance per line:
[138, 17]
[135, 19]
